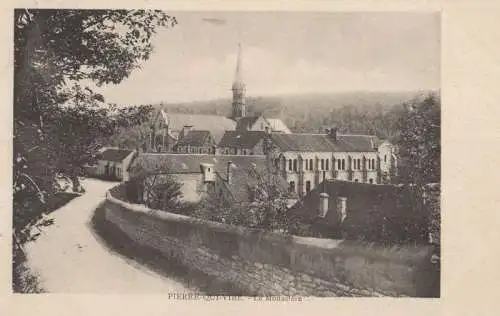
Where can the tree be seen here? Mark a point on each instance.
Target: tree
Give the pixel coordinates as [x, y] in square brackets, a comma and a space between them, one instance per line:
[420, 151]
[157, 188]
[420, 141]
[268, 206]
[261, 202]
[135, 137]
[54, 52]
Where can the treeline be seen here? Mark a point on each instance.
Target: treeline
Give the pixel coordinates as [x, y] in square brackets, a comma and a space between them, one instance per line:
[356, 112]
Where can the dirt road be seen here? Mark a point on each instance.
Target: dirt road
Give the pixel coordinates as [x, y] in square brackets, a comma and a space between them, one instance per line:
[69, 257]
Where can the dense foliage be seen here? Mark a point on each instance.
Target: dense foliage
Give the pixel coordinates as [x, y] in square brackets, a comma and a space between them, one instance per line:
[58, 122]
[264, 205]
[420, 141]
[155, 186]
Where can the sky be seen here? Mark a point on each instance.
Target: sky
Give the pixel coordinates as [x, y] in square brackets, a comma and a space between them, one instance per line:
[286, 53]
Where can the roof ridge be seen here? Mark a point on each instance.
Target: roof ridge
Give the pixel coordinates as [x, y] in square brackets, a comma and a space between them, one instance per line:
[208, 155]
[367, 135]
[299, 133]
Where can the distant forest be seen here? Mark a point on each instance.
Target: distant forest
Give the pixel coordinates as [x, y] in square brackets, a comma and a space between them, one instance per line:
[373, 113]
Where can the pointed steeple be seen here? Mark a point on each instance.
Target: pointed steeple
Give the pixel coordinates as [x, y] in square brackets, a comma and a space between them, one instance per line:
[238, 88]
[238, 78]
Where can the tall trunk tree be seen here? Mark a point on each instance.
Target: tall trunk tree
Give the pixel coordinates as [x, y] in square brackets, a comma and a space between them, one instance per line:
[58, 124]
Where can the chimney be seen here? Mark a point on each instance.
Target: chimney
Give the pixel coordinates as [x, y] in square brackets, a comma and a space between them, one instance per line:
[323, 204]
[208, 171]
[229, 171]
[333, 134]
[186, 129]
[342, 208]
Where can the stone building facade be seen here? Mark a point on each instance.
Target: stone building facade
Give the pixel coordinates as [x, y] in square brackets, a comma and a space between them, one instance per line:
[306, 160]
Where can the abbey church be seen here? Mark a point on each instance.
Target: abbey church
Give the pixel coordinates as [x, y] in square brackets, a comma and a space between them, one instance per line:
[201, 133]
[303, 159]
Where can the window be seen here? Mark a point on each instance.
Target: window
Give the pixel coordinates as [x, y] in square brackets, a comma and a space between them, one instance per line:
[356, 180]
[359, 163]
[327, 164]
[343, 164]
[307, 163]
[371, 181]
[290, 164]
[385, 158]
[339, 164]
[308, 186]
[369, 164]
[322, 164]
[311, 164]
[373, 164]
[295, 165]
[291, 188]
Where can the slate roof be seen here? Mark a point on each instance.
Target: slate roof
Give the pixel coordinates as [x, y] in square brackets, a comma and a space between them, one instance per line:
[241, 139]
[215, 124]
[194, 138]
[114, 154]
[189, 163]
[323, 143]
[277, 125]
[246, 122]
[360, 198]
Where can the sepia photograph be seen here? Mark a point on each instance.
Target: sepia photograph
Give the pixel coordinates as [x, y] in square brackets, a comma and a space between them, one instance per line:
[264, 155]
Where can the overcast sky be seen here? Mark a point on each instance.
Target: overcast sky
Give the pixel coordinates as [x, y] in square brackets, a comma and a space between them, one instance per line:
[284, 53]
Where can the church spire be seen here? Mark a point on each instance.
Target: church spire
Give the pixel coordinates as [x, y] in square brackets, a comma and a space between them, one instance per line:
[238, 77]
[238, 89]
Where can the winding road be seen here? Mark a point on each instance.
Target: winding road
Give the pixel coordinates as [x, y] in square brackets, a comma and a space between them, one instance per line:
[69, 258]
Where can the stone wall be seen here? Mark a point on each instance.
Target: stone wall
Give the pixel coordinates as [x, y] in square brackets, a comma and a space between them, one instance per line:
[260, 263]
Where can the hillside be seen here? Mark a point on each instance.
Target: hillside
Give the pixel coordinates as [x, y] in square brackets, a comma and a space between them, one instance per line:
[311, 102]
[354, 112]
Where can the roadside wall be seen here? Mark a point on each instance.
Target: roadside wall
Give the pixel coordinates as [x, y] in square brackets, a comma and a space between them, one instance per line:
[260, 263]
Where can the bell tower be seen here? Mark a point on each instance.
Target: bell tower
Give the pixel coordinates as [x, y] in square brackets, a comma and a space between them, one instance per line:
[239, 89]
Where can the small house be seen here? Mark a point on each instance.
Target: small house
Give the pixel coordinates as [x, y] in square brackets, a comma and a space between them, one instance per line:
[113, 164]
